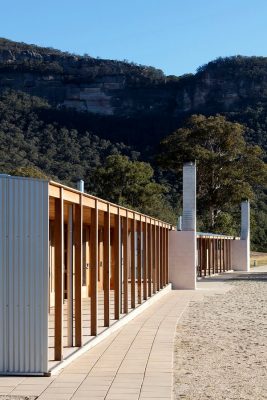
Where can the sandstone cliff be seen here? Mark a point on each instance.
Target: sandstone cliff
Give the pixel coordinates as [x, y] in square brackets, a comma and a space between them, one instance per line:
[118, 88]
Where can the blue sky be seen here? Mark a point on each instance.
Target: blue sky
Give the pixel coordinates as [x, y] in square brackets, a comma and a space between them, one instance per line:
[174, 35]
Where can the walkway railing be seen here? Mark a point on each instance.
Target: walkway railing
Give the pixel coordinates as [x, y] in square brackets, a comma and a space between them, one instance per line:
[213, 254]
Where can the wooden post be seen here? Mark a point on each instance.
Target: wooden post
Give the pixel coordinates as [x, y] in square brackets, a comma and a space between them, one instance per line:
[94, 269]
[227, 254]
[154, 244]
[213, 255]
[200, 257]
[164, 256]
[230, 254]
[217, 256]
[106, 282]
[117, 280]
[220, 243]
[145, 260]
[78, 243]
[139, 262]
[161, 256]
[149, 258]
[59, 275]
[133, 246]
[167, 255]
[125, 263]
[204, 254]
[209, 256]
[223, 260]
[70, 276]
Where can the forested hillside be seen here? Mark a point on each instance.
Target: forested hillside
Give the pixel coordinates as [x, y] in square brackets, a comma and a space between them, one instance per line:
[71, 117]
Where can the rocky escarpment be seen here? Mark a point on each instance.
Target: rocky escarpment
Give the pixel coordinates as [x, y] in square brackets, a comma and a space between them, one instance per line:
[83, 83]
[117, 88]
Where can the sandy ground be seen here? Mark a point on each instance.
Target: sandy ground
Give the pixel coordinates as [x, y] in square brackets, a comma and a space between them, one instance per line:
[221, 343]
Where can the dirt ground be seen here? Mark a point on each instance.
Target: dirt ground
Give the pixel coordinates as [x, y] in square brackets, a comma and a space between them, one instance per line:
[221, 343]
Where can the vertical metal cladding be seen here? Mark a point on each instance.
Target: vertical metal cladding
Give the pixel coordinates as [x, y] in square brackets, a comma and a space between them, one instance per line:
[189, 197]
[245, 220]
[23, 275]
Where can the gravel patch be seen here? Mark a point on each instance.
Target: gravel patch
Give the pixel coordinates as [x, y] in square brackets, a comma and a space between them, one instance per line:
[221, 344]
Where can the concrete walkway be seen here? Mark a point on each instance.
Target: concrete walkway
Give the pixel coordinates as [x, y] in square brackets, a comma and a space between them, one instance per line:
[135, 362]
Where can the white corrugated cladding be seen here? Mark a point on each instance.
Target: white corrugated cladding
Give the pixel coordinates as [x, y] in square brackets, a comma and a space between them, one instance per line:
[189, 197]
[24, 222]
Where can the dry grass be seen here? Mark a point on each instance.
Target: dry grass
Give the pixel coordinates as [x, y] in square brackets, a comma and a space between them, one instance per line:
[258, 259]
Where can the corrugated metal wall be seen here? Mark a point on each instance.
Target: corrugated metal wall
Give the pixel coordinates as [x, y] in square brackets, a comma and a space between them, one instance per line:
[189, 197]
[23, 275]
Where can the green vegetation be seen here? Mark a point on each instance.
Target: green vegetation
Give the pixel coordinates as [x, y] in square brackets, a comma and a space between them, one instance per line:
[29, 172]
[30, 146]
[38, 137]
[63, 154]
[228, 169]
[72, 67]
[131, 184]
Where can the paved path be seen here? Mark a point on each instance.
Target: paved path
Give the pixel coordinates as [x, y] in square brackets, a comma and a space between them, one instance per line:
[136, 362]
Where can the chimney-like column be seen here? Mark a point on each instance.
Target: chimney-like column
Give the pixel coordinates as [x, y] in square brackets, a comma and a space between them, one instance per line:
[189, 197]
[245, 220]
[241, 248]
[180, 223]
[182, 243]
[80, 185]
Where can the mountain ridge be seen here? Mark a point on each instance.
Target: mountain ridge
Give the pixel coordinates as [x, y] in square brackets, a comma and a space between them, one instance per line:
[117, 88]
[65, 114]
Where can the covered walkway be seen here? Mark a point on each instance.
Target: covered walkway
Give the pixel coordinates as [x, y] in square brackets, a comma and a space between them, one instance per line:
[136, 362]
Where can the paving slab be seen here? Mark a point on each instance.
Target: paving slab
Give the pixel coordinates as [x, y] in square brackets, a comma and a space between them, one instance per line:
[135, 362]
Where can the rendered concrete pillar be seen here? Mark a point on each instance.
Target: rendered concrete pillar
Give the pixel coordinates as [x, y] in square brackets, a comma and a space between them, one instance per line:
[182, 244]
[182, 259]
[241, 248]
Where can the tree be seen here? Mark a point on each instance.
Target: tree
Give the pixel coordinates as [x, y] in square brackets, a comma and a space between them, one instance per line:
[228, 169]
[32, 136]
[30, 171]
[130, 184]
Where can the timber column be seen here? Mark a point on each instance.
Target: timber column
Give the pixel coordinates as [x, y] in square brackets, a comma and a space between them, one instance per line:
[182, 246]
[241, 248]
